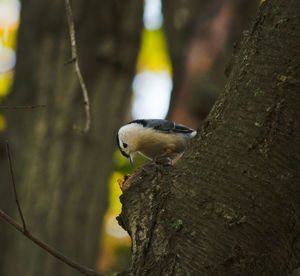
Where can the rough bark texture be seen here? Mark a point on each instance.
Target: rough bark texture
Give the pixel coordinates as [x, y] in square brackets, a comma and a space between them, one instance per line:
[231, 206]
[62, 175]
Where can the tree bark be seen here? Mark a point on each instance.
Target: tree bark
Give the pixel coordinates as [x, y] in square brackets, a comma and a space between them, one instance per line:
[61, 174]
[230, 206]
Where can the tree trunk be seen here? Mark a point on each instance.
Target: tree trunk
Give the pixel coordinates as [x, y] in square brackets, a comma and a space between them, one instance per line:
[62, 175]
[231, 206]
[204, 42]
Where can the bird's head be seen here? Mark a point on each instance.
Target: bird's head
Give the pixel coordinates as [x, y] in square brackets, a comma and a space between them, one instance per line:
[127, 140]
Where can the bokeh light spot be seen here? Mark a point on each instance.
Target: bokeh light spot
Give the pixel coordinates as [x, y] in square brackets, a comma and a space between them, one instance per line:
[152, 91]
[153, 18]
[113, 228]
[6, 80]
[2, 123]
[9, 14]
[7, 58]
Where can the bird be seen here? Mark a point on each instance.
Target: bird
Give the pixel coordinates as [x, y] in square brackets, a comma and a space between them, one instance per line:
[154, 139]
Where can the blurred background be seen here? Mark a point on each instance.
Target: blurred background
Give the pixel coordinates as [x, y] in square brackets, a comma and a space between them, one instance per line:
[157, 59]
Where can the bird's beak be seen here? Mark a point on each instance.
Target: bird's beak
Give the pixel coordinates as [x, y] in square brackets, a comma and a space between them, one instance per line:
[130, 160]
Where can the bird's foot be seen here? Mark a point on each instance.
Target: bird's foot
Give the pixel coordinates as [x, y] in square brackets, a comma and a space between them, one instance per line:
[167, 159]
[163, 160]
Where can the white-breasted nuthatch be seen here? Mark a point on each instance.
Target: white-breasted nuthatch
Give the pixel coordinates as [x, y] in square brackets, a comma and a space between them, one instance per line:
[153, 138]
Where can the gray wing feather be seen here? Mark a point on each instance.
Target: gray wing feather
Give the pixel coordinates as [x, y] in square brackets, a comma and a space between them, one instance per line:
[164, 126]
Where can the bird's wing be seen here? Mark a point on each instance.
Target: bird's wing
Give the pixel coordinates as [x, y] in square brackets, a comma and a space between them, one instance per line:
[164, 126]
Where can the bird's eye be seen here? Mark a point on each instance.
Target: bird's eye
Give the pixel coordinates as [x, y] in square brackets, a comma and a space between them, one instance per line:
[125, 145]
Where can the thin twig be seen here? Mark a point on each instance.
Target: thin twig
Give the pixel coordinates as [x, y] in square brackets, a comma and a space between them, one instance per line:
[74, 60]
[14, 186]
[22, 106]
[84, 270]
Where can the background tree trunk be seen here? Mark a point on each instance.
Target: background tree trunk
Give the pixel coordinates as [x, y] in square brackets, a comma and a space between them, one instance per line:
[231, 205]
[201, 38]
[62, 175]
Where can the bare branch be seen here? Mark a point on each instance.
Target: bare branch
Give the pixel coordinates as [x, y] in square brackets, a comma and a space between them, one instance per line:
[14, 187]
[74, 60]
[84, 270]
[22, 106]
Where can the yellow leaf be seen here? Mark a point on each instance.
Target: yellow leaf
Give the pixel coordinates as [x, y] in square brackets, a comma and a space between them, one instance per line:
[153, 55]
[6, 79]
